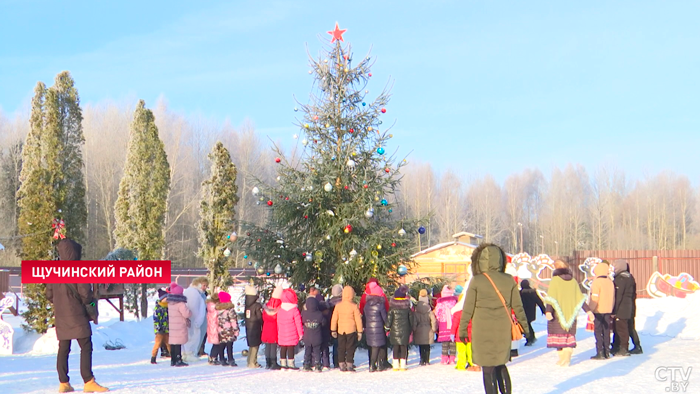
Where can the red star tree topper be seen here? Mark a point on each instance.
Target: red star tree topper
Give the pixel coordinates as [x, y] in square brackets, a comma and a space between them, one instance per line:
[337, 33]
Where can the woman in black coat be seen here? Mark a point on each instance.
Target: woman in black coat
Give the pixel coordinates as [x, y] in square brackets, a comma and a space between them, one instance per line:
[375, 320]
[625, 299]
[253, 325]
[400, 323]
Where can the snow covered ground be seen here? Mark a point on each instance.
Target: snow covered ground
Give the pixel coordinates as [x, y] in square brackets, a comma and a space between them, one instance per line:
[669, 330]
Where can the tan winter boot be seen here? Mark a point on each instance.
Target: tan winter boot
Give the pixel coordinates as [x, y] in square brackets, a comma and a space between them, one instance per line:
[65, 388]
[402, 364]
[94, 387]
[568, 352]
[395, 364]
[560, 353]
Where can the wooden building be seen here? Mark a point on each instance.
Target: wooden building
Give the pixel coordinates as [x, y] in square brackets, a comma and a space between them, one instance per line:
[449, 259]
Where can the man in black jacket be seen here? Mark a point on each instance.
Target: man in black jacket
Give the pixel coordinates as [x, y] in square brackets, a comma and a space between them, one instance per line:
[72, 321]
[623, 312]
[530, 300]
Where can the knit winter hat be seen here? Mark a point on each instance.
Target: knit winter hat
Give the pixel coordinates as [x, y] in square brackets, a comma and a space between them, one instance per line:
[224, 297]
[376, 290]
[620, 266]
[401, 292]
[277, 293]
[162, 294]
[337, 290]
[446, 291]
[458, 290]
[250, 290]
[176, 289]
[423, 293]
[424, 299]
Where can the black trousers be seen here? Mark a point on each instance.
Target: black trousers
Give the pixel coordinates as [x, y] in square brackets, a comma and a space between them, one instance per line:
[377, 356]
[602, 332]
[228, 346]
[201, 346]
[347, 343]
[424, 353]
[400, 352]
[621, 335]
[85, 359]
[334, 342]
[312, 354]
[633, 334]
[325, 355]
[496, 379]
[287, 352]
[175, 354]
[532, 332]
[271, 351]
[216, 351]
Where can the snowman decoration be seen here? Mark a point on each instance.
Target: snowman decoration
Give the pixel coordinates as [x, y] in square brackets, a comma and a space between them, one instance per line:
[6, 330]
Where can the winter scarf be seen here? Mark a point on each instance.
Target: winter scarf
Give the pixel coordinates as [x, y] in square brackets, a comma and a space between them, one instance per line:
[565, 297]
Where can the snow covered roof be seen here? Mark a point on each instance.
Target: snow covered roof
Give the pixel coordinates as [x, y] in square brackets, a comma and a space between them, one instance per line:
[443, 245]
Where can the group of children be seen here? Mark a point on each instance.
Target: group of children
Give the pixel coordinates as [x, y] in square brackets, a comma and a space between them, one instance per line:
[338, 323]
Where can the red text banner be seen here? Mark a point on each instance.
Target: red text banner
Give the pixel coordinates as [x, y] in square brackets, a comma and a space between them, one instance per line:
[98, 271]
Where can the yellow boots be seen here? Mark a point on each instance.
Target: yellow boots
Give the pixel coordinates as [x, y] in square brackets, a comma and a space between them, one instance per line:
[93, 387]
[65, 388]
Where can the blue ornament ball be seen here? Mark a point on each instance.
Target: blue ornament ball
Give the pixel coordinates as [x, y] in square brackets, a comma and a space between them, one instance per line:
[250, 263]
[385, 202]
[363, 103]
[402, 270]
[267, 274]
[245, 256]
[380, 150]
[302, 287]
[421, 230]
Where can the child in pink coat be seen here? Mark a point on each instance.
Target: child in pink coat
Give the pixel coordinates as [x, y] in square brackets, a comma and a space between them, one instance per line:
[289, 328]
[213, 329]
[178, 320]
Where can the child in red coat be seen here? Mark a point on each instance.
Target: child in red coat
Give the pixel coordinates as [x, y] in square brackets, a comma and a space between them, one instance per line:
[269, 329]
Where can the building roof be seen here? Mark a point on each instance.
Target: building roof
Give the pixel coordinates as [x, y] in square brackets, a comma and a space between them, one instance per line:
[443, 245]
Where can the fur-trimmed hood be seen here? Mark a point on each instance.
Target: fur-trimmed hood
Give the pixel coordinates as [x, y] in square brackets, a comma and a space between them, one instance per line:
[488, 257]
[224, 305]
[174, 298]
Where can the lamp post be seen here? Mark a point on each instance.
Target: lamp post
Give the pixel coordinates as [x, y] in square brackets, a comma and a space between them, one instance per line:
[521, 236]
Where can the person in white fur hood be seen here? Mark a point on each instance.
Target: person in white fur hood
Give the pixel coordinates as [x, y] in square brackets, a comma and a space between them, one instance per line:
[196, 302]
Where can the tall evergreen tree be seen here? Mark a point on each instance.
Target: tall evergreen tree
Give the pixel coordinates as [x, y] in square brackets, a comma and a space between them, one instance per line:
[52, 183]
[217, 211]
[332, 209]
[143, 192]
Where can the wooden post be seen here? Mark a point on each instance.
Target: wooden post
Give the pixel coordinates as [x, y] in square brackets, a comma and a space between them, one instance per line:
[655, 261]
[121, 307]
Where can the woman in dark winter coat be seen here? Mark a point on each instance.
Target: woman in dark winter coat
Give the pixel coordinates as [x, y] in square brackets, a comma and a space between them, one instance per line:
[424, 327]
[312, 319]
[72, 321]
[253, 325]
[531, 300]
[375, 319]
[491, 320]
[564, 301]
[400, 323]
[625, 299]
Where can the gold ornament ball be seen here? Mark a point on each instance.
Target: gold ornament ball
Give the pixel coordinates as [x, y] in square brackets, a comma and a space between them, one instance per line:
[379, 247]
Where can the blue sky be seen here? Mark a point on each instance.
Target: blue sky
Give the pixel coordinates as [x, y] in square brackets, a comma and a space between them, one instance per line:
[479, 87]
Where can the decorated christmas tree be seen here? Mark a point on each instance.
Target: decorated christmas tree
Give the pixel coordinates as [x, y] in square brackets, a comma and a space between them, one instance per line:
[333, 217]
